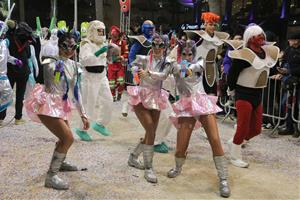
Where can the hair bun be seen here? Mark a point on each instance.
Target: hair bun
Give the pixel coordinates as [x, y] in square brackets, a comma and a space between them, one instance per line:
[76, 35]
[60, 33]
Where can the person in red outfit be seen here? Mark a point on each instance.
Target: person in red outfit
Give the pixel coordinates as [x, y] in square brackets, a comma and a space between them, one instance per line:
[247, 77]
[117, 62]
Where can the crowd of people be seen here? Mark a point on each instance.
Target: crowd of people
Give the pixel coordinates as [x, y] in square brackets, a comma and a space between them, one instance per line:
[174, 80]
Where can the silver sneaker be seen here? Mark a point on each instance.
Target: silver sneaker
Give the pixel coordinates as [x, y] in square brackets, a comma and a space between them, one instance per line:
[56, 183]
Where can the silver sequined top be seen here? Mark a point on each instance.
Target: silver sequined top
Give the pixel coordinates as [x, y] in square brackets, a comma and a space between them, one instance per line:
[191, 84]
[159, 71]
[72, 72]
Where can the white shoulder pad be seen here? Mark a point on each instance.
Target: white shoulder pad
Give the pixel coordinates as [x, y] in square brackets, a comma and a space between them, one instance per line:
[48, 61]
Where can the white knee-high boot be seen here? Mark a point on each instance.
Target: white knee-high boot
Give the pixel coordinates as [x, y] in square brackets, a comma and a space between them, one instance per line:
[236, 155]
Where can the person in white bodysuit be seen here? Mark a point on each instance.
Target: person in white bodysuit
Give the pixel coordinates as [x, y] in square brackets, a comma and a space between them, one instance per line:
[97, 97]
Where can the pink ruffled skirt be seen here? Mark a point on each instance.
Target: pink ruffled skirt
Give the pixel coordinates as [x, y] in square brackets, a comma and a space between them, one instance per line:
[39, 102]
[151, 99]
[194, 106]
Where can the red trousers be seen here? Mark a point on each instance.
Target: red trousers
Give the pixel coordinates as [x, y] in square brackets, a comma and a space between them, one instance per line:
[116, 77]
[249, 121]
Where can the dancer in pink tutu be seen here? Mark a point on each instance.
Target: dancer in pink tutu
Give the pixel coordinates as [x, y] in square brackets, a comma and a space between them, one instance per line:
[193, 109]
[147, 100]
[51, 105]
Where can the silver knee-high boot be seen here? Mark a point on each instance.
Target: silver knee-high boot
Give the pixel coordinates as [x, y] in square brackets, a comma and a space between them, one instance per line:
[221, 166]
[133, 160]
[148, 159]
[52, 180]
[177, 169]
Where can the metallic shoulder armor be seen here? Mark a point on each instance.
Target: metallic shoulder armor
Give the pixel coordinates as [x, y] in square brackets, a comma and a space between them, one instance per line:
[234, 44]
[255, 76]
[216, 40]
[142, 40]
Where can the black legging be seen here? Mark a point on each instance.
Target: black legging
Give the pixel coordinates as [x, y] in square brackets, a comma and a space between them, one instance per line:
[20, 92]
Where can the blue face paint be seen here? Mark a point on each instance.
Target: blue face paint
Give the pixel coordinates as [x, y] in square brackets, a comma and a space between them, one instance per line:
[148, 30]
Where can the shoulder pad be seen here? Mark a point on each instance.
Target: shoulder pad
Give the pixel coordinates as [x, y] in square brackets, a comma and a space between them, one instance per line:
[140, 38]
[47, 60]
[234, 44]
[272, 51]
[243, 54]
[222, 35]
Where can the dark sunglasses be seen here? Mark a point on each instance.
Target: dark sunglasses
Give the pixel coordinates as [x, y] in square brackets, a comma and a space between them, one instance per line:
[189, 54]
[158, 46]
[69, 47]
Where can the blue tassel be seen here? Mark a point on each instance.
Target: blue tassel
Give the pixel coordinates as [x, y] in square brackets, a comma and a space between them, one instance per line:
[76, 92]
[65, 97]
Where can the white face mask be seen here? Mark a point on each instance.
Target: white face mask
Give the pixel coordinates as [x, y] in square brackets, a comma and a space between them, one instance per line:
[98, 39]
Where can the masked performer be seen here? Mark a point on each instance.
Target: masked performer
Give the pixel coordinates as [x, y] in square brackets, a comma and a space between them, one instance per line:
[247, 77]
[195, 108]
[96, 92]
[51, 105]
[142, 46]
[207, 47]
[147, 100]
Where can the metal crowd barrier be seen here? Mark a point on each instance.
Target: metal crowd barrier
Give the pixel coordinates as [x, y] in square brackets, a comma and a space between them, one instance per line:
[274, 107]
[128, 77]
[295, 104]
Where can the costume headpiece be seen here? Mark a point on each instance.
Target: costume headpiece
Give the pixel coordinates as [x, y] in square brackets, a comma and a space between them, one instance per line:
[115, 29]
[252, 31]
[209, 17]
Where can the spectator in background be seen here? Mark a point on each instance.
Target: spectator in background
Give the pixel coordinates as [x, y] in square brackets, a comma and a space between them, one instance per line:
[117, 63]
[20, 36]
[291, 75]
